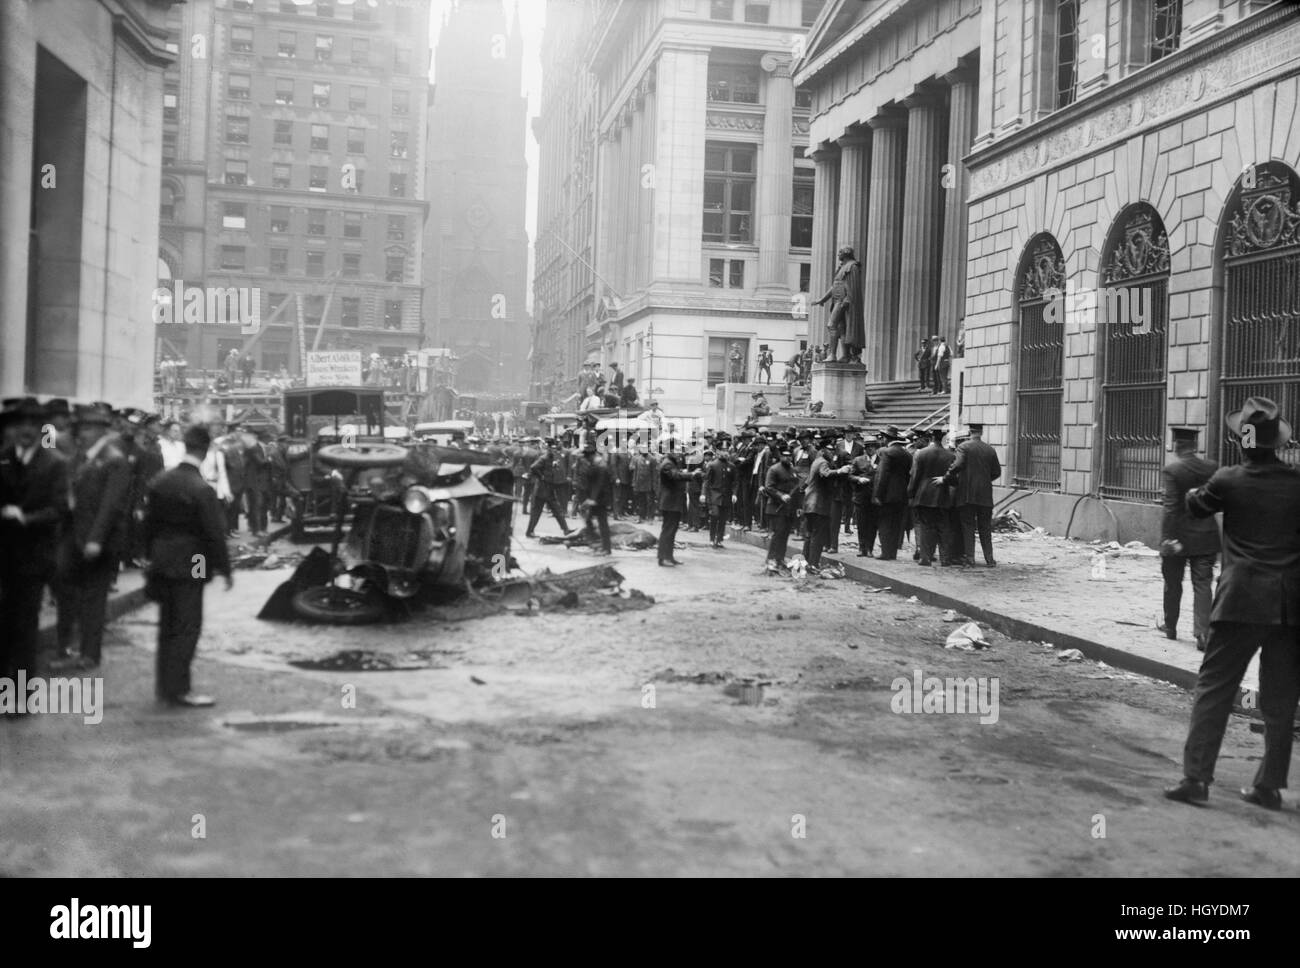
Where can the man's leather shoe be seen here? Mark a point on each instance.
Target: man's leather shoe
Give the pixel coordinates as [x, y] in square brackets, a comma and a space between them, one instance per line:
[1169, 633]
[1200, 643]
[667, 564]
[924, 562]
[990, 564]
[192, 700]
[1265, 797]
[1189, 791]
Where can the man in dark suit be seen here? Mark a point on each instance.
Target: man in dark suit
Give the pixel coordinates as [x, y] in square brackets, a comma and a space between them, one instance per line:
[620, 465]
[1256, 606]
[596, 486]
[823, 475]
[719, 481]
[545, 472]
[33, 504]
[148, 465]
[257, 465]
[931, 501]
[673, 479]
[973, 473]
[862, 478]
[94, 535]
[1187, 541]
[779, 485]
[893, 471]
[186, 531]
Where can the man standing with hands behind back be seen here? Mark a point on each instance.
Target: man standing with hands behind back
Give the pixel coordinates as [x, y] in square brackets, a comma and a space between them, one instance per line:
[973, 473]
[185, 531]
[1185, 540]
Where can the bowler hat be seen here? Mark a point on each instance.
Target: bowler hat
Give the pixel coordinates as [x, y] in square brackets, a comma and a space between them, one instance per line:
[24, 408]
[58, 407]
[1261, 413]
[93, 413]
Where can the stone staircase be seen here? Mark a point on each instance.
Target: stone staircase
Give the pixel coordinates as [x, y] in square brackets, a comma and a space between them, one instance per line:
[798, 400]
[906, 406]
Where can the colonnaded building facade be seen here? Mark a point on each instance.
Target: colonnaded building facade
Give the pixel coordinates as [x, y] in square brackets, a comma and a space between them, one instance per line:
[1132, 224]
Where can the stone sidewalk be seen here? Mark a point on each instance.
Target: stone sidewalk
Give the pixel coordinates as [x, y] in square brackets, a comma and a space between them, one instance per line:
[1042, 590]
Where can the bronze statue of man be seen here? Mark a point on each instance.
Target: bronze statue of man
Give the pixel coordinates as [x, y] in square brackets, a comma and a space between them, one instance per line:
[845, 325]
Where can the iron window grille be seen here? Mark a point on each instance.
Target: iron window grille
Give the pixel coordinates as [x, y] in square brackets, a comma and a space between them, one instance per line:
[1039, 368]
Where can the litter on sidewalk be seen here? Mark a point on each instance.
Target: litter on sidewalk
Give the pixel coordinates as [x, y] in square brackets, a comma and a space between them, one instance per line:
[966, 638]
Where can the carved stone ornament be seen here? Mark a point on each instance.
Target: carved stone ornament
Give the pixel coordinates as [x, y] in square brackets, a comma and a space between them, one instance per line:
[1046, 270]
[734, 122]
[1143, 250]
[1266, 218]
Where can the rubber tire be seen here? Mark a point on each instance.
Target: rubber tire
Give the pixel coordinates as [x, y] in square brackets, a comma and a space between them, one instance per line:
[362, 455]
[314, 605]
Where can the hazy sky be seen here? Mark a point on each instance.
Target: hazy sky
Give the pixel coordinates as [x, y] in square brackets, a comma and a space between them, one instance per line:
[532, 17]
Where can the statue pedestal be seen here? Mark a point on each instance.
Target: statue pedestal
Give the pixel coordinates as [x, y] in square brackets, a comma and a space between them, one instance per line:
[840, 387]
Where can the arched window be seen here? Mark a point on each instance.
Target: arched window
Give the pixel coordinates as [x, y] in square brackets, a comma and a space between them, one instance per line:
[1260, 324]
[1041, 351]
[1133, 318]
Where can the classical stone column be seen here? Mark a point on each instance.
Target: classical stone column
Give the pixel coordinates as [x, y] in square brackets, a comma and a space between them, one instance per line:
[952, 273]
[776, 179]
[918, 293]
[630, 221]
[884, 235]
[647, 196]
[825, 192]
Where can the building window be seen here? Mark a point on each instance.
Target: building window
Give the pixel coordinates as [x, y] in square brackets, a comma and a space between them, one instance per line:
[324, 48]
[236, 172]
[315, 263]
[284, 90]
[281, 176]
[171, 104]
[756, 12]
[167, 204]
[243, 5]
[234, 215]
[287, 46]
[356, 98]
[352, 225]
[401, 60]
[360, 50]
[232, 257]
[733, 83]
[1065, 63]
[1132, 319]
[284, 133]
[728, 192]
[318, 178]
[394, 268]
[722, 9]
[356, 141]
[274, 300]
[241, 40]
[397, 144]
[360, 13]
[320, 137]
[1258, 328]
[810, 11]
[238, 87]
[727, 273]
[288, 6]
[805, 275]
[169, 148]
[315, 221]
[397, 228]
[324, 8]
[313, 308]
[275, 355]
[801, 211]
[351, 312]
[352, 264]
[1039, 363]
[392, 314]
[397, 185]
[728, 360]
[803, 98]
[320, 94]
[236, 130]
[279, 219]
[401, 103]
[279, 261]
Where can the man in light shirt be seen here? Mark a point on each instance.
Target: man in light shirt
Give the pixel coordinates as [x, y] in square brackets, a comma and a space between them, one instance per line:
[173, 448]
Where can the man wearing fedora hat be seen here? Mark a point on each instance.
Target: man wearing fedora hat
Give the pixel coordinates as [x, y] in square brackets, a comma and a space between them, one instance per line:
[1256, 605]
[33, 503]
[779, 485]
[1186, 541]
[95, 533]
[973, 474]
[889, 493]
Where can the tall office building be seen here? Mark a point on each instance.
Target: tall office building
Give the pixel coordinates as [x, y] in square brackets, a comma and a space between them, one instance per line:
[293, 152]
[476, 243]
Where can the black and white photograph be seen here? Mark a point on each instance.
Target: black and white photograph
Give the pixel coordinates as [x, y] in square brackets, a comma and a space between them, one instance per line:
[651, 438]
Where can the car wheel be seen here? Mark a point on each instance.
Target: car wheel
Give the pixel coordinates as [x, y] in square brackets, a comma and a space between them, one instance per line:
[337, 606]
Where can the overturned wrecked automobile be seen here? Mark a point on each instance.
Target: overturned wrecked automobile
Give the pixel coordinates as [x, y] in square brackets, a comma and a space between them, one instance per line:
[425, 527]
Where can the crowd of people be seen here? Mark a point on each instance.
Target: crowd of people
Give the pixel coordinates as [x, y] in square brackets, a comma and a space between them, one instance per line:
[824, 484]
[88, 491]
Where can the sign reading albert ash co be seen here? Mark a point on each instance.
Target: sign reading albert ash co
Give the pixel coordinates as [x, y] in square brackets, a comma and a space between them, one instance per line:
[339, 368]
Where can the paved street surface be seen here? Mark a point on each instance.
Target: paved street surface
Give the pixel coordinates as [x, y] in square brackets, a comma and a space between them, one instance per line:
[557, 753]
